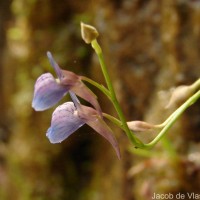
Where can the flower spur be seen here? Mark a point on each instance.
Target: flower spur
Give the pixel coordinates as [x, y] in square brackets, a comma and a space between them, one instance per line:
[70, 116]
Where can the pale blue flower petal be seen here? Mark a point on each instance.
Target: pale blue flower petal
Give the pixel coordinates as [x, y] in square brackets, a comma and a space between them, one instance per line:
[73, 81]
[65, 121]
[47, 92]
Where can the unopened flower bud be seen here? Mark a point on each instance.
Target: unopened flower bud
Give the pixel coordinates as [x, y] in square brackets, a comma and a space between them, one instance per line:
[179, 95]
[140, 126]
[88, 33]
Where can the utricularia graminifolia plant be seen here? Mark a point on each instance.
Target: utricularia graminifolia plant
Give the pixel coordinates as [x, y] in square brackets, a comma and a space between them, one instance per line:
[70, 116]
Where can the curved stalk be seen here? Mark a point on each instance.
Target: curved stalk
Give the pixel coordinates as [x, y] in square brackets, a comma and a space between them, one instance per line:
[114, 120]
[173, 119]
[115, 102]
[195, 86]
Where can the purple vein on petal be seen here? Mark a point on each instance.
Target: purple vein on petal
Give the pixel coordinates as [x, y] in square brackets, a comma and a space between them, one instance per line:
[64, 122]
[54, 65]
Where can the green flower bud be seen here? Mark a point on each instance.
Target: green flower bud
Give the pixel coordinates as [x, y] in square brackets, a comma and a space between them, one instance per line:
[88, 33]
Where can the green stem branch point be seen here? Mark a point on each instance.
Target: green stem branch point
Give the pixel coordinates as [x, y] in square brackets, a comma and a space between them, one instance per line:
[115, 102]
[110, 93]
[97, 85]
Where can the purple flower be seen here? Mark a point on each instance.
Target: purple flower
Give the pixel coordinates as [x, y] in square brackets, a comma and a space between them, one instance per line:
[48, 90]
[70, 116]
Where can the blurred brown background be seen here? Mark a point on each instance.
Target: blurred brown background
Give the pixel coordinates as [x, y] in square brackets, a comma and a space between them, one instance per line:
[150, 46]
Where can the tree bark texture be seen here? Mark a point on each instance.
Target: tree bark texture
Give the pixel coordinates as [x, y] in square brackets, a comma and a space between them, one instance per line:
[149, 46]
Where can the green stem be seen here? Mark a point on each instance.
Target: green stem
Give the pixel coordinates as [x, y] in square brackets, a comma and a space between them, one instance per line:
[114, 120]
[195, 86]
[145, 153]
[115, 102]
[169, 118]
[100, 87]
[173, 119]
[122, 124]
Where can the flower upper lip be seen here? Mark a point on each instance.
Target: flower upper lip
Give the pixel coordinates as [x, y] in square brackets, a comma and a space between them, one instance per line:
[48, 91]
